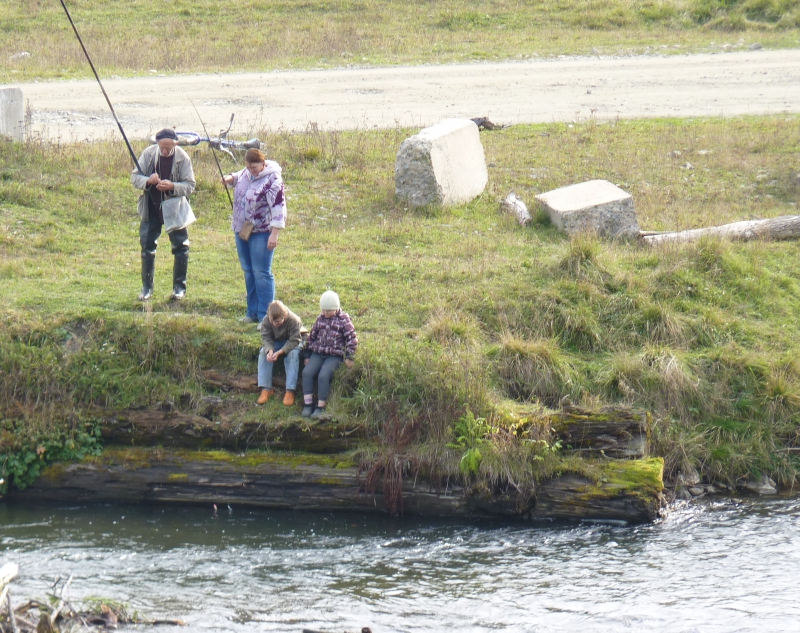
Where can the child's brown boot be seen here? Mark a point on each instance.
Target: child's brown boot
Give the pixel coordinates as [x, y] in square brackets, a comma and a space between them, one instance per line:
[288, 398]
[264, 397]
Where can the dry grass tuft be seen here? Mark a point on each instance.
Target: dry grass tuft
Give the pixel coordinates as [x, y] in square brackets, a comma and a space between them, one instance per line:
[454, 328]
[658, 324]
[582, 255]
[534, 370]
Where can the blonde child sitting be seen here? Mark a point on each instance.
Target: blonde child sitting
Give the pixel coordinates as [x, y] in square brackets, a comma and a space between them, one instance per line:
[280, 336]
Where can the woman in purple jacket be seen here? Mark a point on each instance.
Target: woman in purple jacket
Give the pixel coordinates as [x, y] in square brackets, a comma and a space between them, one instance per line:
[332, 341]
[259, 215]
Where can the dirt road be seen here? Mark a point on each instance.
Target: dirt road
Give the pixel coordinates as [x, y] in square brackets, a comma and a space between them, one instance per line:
[725, 84]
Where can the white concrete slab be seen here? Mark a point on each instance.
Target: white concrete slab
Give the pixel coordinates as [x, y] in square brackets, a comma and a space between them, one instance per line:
[12, 113]
[595, 206]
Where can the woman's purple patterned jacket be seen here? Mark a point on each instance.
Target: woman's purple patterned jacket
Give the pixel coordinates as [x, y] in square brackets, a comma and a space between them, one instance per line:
[260, 200]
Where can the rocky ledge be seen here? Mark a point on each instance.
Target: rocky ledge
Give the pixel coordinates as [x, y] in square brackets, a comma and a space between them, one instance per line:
[166, 456]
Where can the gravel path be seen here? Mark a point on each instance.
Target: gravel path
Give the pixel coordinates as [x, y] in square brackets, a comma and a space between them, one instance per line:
[726, 84]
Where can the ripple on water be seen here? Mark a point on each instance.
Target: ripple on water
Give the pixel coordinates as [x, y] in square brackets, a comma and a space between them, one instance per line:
[723, 565]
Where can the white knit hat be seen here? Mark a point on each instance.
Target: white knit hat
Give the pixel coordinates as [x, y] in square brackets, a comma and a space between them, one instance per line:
[329, 300]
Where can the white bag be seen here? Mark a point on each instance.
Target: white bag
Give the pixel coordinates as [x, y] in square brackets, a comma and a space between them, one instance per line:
[177, 213]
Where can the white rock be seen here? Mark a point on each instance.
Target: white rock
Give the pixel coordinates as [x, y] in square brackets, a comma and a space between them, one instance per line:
[763, 486]
[596, 206]
[443, 164]
[12, 113]
[516, 207]
[755, 47]
[18, 56]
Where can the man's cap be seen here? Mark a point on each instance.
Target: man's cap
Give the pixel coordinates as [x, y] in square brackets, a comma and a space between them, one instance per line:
[166, 133]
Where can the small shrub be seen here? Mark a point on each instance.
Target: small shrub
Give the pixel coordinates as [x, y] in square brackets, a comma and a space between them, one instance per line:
[471, 434]
[392, 461]
[25, 452]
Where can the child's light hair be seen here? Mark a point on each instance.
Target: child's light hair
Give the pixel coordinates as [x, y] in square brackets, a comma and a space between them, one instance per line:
[276, 310]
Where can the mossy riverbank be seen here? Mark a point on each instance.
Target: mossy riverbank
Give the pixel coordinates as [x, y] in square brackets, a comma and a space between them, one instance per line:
[458, 310]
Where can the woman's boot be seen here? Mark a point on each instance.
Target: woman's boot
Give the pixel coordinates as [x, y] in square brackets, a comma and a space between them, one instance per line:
[148, 274]
[179, 266]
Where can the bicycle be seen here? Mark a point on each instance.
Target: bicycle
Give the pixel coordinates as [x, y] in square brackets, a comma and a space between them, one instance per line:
[221, 142]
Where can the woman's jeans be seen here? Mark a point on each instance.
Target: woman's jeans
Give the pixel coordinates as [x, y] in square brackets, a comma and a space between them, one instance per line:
[291, 362]
[256, 261]
[323, 365]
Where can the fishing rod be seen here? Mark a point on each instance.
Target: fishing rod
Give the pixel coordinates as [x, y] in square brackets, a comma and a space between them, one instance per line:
[211, 145]
[108, 101]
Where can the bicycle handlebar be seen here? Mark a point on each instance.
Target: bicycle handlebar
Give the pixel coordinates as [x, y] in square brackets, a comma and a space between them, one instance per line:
[193, 138]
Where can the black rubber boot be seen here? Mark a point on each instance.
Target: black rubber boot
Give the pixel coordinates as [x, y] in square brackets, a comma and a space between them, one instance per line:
[179, 266]
[148, 274]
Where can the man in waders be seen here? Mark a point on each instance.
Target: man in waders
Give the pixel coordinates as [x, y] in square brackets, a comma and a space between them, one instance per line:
[170, 175]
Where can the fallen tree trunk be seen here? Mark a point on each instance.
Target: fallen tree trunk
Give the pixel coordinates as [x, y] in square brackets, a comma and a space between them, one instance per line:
[786, 227]
[157, 427]
[617, 432]
[625, 490]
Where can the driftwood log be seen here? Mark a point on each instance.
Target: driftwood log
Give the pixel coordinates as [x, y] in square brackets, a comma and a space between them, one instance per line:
[322, 482]
[8, 572]
[786, 227]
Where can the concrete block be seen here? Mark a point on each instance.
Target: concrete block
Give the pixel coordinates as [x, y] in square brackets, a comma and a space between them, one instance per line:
[596, 206]
[12, 113]
[443, 164]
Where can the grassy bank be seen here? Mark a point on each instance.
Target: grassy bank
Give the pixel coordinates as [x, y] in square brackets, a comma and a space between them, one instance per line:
[149, 36]
[457, 308]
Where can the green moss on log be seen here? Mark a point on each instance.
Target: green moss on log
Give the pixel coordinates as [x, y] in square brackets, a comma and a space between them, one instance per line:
[136, 457]
[642, 475]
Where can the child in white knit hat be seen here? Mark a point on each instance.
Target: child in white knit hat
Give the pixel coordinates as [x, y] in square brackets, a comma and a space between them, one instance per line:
[332, 341]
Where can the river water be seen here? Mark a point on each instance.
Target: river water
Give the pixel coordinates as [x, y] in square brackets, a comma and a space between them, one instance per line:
[719, 565]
